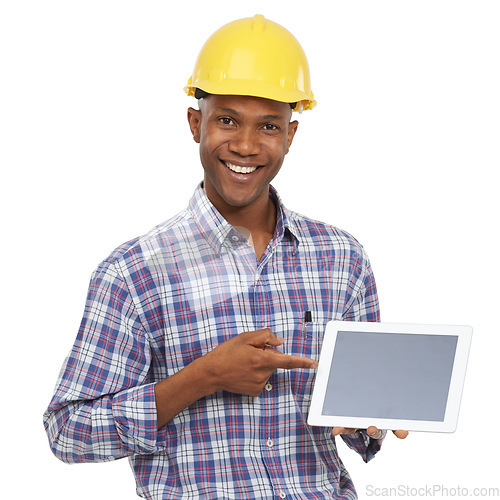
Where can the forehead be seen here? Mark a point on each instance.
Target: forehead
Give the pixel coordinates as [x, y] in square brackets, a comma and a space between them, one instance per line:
[247, 105]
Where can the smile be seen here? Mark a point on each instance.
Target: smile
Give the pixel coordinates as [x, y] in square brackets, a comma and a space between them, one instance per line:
[238, 169]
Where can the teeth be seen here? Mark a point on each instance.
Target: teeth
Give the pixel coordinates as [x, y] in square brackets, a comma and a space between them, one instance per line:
[240, 170]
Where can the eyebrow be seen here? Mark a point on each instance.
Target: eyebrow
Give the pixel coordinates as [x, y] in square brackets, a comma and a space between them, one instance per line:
[263, 117]
[229, 110]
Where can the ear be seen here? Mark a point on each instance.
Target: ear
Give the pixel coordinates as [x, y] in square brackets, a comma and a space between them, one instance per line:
[194, 120]
[292, 128]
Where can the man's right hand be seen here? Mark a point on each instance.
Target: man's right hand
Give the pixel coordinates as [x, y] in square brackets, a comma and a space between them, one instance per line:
[243, 364]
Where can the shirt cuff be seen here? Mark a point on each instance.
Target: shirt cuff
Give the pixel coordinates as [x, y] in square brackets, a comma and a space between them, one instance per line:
[134, 413]
[361, 442]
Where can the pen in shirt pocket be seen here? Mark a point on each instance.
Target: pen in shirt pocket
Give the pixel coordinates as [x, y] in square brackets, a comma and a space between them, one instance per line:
[307, 319]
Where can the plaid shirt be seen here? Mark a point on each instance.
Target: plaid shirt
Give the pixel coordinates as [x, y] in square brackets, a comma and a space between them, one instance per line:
[159, 302]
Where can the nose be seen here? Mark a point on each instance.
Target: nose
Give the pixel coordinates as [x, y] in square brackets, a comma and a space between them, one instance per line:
[245, 142]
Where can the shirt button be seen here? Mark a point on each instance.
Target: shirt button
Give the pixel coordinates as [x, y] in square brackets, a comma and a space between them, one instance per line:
[282, 494]
[270, 443]
[269, 386]
[235, 238]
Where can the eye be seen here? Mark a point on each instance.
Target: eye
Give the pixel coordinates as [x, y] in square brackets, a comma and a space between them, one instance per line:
[271, 127]
[226, 120]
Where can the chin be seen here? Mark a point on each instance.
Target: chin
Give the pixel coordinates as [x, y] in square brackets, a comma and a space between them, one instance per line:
[237, 202]
[236, 198]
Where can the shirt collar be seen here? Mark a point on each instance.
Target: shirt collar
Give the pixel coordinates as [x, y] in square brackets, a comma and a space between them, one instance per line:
[216, 230]
[285, 224]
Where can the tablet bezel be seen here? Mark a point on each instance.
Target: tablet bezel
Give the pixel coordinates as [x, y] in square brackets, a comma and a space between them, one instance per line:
[449, 424]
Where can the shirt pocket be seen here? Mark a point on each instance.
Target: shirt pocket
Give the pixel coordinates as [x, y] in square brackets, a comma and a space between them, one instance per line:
[308, 338]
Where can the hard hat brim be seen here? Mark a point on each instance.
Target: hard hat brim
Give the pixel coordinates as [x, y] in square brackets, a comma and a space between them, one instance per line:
[252, 88]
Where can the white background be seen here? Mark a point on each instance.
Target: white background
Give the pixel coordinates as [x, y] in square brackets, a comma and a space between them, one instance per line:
[402, 151]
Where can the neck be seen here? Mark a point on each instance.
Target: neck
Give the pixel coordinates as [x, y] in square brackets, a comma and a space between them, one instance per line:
[258, 216]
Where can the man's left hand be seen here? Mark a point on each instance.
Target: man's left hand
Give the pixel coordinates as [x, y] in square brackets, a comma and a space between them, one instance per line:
[372, 431]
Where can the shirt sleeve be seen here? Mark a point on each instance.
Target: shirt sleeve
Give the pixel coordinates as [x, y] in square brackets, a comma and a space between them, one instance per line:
[103, 408]
[364, 305]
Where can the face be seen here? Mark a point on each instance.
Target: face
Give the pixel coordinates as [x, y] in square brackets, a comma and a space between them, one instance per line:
[243, 142]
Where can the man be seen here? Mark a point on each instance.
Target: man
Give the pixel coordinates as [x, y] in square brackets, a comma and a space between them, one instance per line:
[196, 357]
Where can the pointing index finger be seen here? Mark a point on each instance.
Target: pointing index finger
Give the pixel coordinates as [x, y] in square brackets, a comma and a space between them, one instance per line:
[289, 362]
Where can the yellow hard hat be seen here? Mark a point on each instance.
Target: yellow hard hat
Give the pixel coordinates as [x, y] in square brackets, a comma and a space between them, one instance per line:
[254, 57]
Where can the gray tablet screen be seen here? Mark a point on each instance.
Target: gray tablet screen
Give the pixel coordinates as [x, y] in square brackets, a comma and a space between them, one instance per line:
[390, 375]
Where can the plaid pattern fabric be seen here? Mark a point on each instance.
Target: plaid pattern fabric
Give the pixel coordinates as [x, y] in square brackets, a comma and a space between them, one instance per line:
[160, 301]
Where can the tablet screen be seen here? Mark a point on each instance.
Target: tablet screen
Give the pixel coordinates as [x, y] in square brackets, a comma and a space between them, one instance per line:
[390, 375]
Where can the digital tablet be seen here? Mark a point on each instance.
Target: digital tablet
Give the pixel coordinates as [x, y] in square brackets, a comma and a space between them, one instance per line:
[393, 376]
